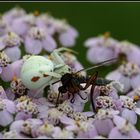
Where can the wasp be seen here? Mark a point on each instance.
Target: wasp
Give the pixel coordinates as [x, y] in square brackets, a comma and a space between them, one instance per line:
[71, 82]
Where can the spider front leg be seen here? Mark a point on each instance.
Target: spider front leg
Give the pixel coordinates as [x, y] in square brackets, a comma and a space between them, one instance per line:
[60, 66]
[56, 55]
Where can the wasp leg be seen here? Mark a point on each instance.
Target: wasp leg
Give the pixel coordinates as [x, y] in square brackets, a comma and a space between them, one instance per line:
[91, 80]
[81, 96]
[72, 100]
[91, 97]
[57, 101]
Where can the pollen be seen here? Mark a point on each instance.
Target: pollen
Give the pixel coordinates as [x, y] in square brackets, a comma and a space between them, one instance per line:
[106, 35]
[136, 98]
[14, 78]
[50, 57]
[36, 13]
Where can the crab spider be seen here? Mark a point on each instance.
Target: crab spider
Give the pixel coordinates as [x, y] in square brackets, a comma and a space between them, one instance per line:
[38, 72]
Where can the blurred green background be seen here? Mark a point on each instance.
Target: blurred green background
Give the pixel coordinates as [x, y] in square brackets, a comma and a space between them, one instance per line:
[92, 19]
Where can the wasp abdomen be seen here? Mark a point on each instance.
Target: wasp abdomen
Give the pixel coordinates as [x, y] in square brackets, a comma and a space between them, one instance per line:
[102, 81]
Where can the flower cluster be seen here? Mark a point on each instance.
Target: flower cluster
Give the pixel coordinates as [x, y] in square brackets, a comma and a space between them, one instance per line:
[45, 91]
[104, 47]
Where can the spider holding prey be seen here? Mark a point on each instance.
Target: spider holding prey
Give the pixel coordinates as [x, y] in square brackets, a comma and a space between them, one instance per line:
[39, 72]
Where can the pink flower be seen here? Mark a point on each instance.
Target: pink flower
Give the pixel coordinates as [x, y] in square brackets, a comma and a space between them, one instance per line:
[127, 74]
[37, 39]
[101, 48]
[7, 112]
[10, 43]
[123, 129]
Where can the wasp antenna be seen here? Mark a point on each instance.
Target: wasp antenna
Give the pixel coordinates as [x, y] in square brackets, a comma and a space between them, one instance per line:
[98, 65]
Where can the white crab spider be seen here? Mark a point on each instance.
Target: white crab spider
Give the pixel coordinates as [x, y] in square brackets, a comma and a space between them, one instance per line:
[38, 71]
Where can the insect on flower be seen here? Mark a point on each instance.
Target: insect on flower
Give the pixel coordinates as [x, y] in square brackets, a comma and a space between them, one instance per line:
[71, 82]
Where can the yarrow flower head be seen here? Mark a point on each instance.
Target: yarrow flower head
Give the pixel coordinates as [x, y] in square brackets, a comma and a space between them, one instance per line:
[101, 48]
[129, 51]
[17, 87]
[25, 105]
[7, 111]
[104, 102]
[32, 71]
[10, 43]
[127, 74]
[4, 60]
[37, 39]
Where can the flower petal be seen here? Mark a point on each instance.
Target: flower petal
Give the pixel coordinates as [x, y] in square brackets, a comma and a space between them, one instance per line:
[5, 118]
[33, 46]
[115, 133]
[16, 125]
[49, 44]
[13, 53]
[129, 115]
[104, 126]
[10, 106]
[99, 54]
[137, 110]
[135, 81]
[7, 73]
[114, 75]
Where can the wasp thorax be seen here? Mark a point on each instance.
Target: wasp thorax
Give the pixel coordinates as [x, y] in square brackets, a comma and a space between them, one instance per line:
[12, 39]
[17, 87]
[37, 33]
[129, 69]
[4, 59]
